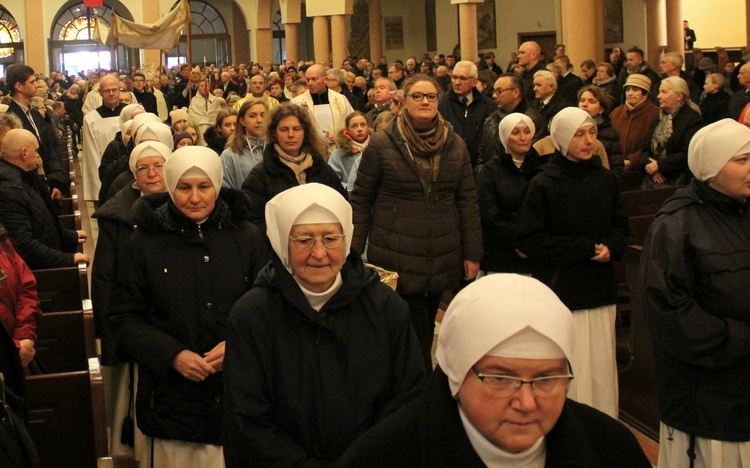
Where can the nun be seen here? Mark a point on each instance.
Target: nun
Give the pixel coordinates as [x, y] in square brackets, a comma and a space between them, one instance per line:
[695, 271]
[500, 186]
[571, 227]
[319, 350]
[191, 256]
[498, 395]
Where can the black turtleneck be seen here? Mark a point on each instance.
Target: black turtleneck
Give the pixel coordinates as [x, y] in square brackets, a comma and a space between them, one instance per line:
[319, 99]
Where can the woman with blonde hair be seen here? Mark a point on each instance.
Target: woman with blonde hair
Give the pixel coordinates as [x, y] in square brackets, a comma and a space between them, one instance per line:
[245, 146]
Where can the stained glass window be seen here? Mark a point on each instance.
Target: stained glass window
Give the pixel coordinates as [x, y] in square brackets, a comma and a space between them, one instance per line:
[73, 23]
[8, 33]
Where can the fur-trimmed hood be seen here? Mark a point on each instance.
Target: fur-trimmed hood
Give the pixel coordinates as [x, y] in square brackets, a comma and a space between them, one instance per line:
[345, 145]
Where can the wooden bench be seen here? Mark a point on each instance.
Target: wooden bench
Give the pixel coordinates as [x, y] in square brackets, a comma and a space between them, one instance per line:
[69, 206]
[645, 202]
[71, 221]
[65, 340]
[62, 289]
[631, 180]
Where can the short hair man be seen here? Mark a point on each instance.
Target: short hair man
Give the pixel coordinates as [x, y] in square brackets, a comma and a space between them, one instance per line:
[498, 395]
[298, 87]
[568, 83]
[99, 128]
[23, 87]
[634, 63]
[381, 98]
[28, 216]
[396, 74]
[465, 107]
[671, 65]
[334, 80]
[142, 94]
[509, 98]
[489, 64]
[529, 57]
[257, 90]
[547, 101]
[741, 97]
[320, 101]
[588, 70]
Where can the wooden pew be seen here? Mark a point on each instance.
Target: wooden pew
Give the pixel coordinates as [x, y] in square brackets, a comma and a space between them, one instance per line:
[62, 289]
[65, 340]
[71, 221]
[644, 202]
[69, 206]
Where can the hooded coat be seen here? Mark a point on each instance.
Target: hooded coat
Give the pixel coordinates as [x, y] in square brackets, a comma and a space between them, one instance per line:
[302, 385]
[174, 293]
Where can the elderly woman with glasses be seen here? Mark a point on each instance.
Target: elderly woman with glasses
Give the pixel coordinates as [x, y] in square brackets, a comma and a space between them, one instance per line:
[498, 397]
[319, 350]
[416, 200]
[192, 255]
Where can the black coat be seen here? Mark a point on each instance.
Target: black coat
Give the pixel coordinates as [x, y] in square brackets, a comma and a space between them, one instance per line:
[500, 187]
[174, 293]
[715, 107]
[115, 160]
[115, 220]
[674, 164]
[694, 275]
[26, 211]
[301, 385]
[467, 122]
[271, 177]
[568, 86]
[737, 103]
[147, 100]
[610, 139]
[549, 110]
[53, 172]
[429, 433]
[567, 209]
[214, 140]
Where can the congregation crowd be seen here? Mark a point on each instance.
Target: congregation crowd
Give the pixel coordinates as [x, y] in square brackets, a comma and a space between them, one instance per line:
[241, 208]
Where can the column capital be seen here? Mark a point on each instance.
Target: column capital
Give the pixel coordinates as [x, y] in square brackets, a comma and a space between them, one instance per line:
[459, 2]
[329, 7]
[291, 11]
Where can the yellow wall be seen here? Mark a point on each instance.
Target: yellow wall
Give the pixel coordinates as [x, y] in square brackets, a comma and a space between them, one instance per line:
[716, 23]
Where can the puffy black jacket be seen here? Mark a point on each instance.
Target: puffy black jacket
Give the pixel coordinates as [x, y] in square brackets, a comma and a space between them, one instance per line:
[302, 385]
[467, 122]
[174, 293]
[271, 177]
[567, 209]
[214, 140]
[27, 213]
[424, 239]
[694, 274]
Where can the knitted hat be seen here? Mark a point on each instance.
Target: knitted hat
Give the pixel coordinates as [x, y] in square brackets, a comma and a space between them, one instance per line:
[639, 81]
[714, 145]
[529, 323]
[178, 137]
[178, 115]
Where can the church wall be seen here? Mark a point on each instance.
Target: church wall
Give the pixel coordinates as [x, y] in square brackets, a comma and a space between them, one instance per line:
[717, 23]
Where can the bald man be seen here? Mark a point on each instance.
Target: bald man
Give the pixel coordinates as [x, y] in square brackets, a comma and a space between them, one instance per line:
[529, 54]
[99, 128]
[257, 90]
[742, 96]
[26, 208]
[327, 107]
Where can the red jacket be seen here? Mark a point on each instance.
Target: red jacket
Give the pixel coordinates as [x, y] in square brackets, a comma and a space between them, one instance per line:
[19, 290]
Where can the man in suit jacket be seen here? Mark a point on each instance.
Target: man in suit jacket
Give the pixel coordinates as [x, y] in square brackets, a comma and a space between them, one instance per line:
[22, 84]
[689, 36]
[547, 102]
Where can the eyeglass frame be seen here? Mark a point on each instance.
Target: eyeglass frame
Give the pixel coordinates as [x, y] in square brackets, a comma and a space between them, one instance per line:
[519, 382]
[463, 79]
[501, 90]
[158, 168]
[296, 241]
[431, 97]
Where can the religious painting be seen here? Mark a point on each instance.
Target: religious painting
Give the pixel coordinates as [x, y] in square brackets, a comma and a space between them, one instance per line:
[613, 32]
[486, 25]
[394, 32]
[430, 15]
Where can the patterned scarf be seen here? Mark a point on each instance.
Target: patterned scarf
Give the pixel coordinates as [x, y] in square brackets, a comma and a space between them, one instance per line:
[425, 148]
[297, 164]
[663, 131]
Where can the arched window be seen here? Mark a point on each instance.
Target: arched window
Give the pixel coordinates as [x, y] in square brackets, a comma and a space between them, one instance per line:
[10, 38]
[73, 45]
[208, 35]
[279, 38]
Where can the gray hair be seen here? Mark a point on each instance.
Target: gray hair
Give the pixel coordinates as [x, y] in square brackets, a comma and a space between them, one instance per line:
[336, 74]
[717, 79]
[680, 86]
[675, 58]
[473, 72]
[548, 76]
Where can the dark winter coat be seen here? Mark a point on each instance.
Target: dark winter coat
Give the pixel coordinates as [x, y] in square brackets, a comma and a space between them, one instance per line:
[550, 110]
[610, 139]
[695, 271]
[271, 177]
[26, 211]
[74, 108]
[115, 161]
[214, 140]
[715, 107]
[115, 220]
[500, 187]
[567, 209]
[490, 145]
[424, 238]
[174, 293]
[429, 433]
[302, 385]
[467, 122]
[674, 164]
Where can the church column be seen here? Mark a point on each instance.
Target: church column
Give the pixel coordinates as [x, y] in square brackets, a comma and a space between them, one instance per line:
[655, 31]
[292, 42]
[376, 32]
[33, 51]
[321, 39]
[467, 29]
[675, 31]
[339, 41]
[747, 21]
[263, 45]
[579, 30]
[150, 15]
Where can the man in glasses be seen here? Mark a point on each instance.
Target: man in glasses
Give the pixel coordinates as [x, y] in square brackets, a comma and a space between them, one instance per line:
[509, 98]
[465, 107]
[99, 128]
[498, 397]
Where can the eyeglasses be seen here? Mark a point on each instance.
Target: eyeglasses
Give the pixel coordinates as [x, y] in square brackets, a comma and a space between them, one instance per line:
[500, 91]
[141, 170]
[461, 78]
[506, 385]
[431, 97]
[330, 241]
